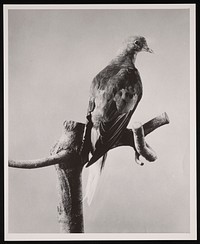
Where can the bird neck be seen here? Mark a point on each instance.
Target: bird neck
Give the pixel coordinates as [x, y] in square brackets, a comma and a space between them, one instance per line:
[126, 57]
[134, 57]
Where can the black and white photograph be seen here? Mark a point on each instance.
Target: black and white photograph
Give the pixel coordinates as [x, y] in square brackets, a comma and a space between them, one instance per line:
[100, 122]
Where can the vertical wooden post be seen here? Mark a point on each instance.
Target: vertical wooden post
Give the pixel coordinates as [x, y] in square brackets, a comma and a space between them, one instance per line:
[69, 184]
[70, 211]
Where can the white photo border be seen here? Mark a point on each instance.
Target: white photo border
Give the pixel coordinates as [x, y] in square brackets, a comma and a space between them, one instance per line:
[192, 235]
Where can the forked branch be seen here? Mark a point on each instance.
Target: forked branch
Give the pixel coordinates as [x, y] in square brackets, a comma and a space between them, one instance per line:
[128, 139]
[67, 160]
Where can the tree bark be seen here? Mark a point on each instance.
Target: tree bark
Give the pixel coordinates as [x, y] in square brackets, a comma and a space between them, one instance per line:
[69, 184]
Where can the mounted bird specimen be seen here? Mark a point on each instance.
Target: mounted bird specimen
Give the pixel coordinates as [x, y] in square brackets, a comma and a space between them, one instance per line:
[114, 95]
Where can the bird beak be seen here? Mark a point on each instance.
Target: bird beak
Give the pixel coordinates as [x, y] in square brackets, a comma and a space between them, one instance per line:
[147, 49]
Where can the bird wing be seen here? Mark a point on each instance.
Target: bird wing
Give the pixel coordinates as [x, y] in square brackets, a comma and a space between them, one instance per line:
[112, 126]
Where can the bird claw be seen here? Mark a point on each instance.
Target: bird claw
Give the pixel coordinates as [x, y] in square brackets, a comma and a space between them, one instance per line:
[137, 160]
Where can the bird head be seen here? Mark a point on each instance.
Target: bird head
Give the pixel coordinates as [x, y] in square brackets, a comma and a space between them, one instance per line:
[135, 44]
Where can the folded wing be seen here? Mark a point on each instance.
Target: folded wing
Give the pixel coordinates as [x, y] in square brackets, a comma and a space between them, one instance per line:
[112, 128]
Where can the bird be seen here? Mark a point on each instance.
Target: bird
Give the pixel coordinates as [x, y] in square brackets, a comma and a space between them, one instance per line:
[114, 95]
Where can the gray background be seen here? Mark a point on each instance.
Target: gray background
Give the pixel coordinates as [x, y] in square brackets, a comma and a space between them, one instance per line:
[53, 56]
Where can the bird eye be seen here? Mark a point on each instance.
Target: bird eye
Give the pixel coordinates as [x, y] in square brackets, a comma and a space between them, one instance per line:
[130, 96]
[137, 43]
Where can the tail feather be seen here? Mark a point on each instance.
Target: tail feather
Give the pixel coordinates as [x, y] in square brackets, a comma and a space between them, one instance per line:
[94, 171]
[93, 179]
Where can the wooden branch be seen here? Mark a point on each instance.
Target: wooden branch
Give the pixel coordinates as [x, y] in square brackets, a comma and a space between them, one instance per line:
[38, 163]
[155, 123]
[126, 140]
[66, 146]
[70, 210]
[135, 138]
[66, 158]
[141, 147]
[128, 137]
[69, 184]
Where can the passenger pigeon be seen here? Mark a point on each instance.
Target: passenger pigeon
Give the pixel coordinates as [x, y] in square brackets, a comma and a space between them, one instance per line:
[114, 95]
